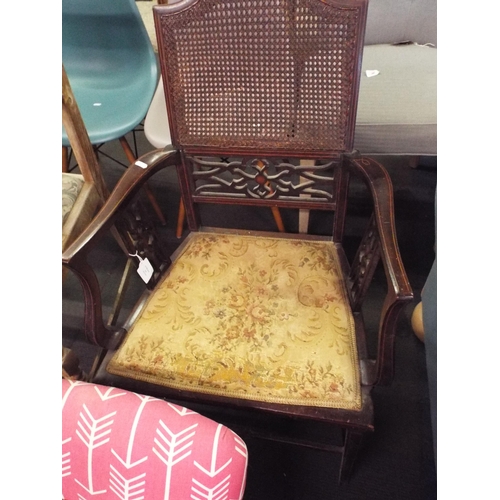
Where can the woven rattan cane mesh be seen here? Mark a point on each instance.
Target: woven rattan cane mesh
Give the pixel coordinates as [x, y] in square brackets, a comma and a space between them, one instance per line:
[261, 74]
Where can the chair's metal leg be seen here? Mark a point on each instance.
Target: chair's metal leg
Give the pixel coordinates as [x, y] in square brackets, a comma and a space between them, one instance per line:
[131, 158]
[352, 444]
[65, 159]
[113, 318]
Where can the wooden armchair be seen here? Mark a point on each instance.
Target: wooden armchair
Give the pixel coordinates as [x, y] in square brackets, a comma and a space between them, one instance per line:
[261, 325]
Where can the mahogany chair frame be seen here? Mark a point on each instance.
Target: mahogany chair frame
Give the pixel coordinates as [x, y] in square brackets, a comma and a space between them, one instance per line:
[94, 190]
[379, 243]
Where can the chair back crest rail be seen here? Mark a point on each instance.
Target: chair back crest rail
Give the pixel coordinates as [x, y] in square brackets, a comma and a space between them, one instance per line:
[280, 76]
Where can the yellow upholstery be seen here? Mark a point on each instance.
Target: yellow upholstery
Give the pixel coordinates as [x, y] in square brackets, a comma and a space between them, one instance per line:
[80, 200]
[71, 186]
[252, 317]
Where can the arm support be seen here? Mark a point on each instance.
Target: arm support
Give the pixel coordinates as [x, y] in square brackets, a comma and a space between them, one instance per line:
[380, 241]
[75, 256]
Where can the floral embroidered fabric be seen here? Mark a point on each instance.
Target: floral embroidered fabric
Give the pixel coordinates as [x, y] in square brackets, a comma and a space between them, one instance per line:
[71, 187]
[258, 318]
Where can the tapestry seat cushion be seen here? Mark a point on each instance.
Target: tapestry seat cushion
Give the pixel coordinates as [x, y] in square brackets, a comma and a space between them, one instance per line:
[252, 317]
[118, 444]
[71, 186]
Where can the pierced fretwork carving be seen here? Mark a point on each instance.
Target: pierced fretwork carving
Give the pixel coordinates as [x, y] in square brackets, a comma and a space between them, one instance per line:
[263, 179]
[365, 263]
[143, 241]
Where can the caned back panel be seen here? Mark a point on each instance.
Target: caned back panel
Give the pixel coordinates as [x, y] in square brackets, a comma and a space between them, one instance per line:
[262, 75]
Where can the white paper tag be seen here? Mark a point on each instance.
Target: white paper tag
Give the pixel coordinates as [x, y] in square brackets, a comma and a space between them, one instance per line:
[145, 270]
[372, 72]
[141, 164]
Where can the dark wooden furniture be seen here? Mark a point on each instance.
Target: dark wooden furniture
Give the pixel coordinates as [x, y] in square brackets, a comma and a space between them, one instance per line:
[264, 85]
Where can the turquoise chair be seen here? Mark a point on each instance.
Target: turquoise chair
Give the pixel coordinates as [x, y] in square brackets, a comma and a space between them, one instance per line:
[112, 68]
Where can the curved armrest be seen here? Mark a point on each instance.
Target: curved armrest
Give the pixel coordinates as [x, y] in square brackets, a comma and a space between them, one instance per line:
[380, 185]
[399, 290]
[75, 256]
[127, 187]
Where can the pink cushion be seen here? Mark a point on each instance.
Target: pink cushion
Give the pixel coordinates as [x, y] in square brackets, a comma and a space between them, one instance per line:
[120, 445]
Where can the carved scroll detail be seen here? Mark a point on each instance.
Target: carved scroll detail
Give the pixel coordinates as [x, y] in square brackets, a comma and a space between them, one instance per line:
[143, 240]
[263, 179]
[365, 263]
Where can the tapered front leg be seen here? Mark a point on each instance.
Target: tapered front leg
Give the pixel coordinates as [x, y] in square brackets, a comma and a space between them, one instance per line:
[352, 444]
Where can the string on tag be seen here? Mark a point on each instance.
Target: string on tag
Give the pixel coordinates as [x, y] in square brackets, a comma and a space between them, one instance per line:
[145, 269]
[136, 255]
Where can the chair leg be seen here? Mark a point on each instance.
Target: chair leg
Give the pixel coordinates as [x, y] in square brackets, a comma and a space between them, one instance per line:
[182, 214]
[352, 444]
[131, 158]
[278, 219]
[180, 219]
[65, 159]
[117, 306]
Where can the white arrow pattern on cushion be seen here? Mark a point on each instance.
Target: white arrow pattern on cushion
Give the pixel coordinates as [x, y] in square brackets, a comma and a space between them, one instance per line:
[119, 484]
[126, 489]
[66, 460]
[72, 385]
[213, 471]
[171, 447]
[218, 492]
[181, 411]
[93, 436]
[127, 463]
[241, 448]
[107, 395]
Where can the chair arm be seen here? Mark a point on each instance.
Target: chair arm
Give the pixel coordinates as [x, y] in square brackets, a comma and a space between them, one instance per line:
[75, 256]
[127, 187]
[380, 240]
